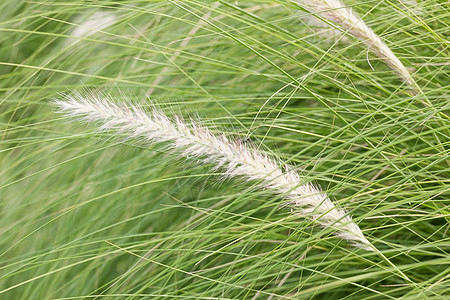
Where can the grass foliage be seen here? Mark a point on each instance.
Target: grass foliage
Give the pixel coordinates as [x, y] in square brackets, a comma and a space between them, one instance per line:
[85, 216]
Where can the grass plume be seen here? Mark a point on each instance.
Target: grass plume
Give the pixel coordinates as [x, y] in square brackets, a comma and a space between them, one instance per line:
[234, 157]
[335, 11]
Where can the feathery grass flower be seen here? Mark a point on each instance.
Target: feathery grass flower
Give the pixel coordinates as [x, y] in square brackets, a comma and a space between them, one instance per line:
[335, 11]
[90, 24]
[235, 158]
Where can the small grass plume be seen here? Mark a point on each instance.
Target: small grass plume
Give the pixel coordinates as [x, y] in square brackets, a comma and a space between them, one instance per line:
[336, 12]
[194, 141]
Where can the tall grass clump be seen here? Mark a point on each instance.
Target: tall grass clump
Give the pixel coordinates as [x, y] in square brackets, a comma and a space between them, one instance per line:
[86, 215]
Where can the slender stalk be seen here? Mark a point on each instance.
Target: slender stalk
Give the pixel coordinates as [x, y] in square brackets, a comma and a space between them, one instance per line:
[235, 158]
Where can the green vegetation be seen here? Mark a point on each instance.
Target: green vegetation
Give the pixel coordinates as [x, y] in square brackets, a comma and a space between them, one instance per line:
[89, 216]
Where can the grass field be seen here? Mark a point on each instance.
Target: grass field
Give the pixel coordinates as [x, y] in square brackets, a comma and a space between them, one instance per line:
[90, 216]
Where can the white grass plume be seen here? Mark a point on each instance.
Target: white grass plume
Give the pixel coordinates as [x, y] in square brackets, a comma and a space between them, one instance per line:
[235, 158]
[336, 12]
[90, 24]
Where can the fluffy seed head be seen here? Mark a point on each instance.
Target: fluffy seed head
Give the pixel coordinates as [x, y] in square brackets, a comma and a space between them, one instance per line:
[336, 12]
[235, 158]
